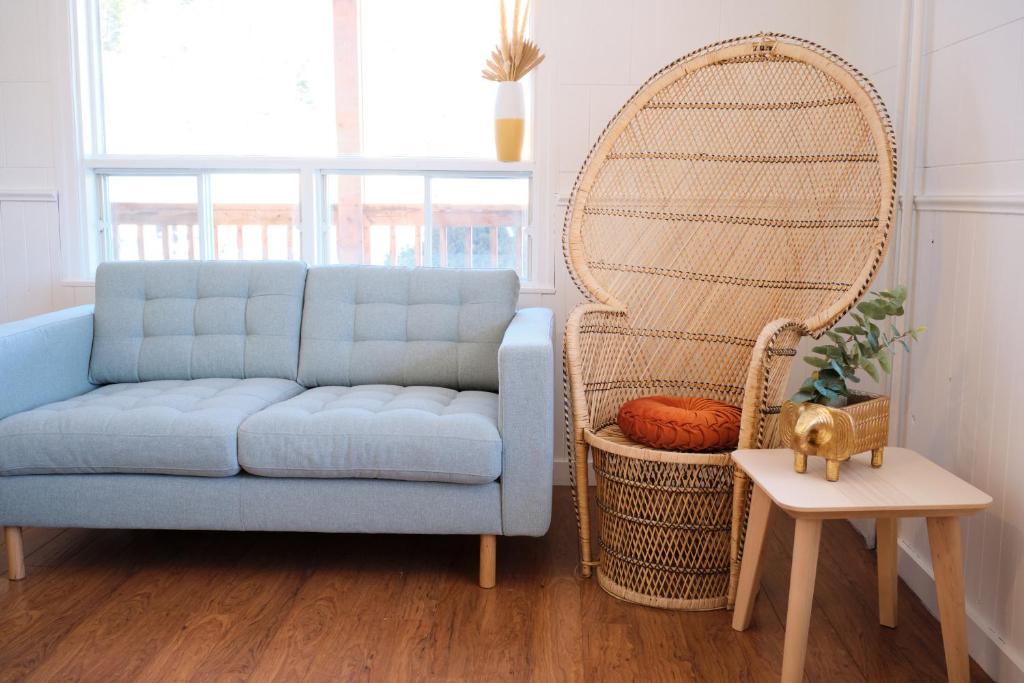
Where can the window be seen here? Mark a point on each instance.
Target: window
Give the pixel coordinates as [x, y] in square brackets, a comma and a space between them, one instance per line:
[154, 217]
[428, 220]
[322, 130]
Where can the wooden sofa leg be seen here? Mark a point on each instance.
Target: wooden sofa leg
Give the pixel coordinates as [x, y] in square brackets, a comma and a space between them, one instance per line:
[488, 560]
[15, 553]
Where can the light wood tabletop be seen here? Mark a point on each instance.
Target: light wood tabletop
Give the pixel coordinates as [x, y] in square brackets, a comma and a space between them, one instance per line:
[907, 485]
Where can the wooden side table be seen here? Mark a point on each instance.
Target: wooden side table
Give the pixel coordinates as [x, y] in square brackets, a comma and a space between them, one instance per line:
[908, 485]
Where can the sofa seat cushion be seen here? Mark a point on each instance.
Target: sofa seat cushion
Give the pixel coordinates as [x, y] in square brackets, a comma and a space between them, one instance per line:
[376, 432]
[185, 427]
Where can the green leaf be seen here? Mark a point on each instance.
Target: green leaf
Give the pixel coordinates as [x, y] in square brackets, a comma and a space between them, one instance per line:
[870, 368]
[825, 391]
[834, 337]
[859, 318]
[852, 377]
[885, 360]
[873, 342]
[850, 329]
[837, 368]
[865, 350]
[871, 310]
[823, 350]
[816, 362]
[832, 380]
[802, 397]
[835, 352]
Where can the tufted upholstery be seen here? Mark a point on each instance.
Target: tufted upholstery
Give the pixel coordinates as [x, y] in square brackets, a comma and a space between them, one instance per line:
[376, 432]
[166, 427]
[191, 319]
[405, 326]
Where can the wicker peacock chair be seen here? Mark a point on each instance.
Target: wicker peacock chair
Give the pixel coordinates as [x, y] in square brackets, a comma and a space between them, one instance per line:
[740, 199]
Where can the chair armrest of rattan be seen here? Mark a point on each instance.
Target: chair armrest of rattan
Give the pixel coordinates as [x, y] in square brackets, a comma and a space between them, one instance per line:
[526, 422]
[45, 359]
[766, 381]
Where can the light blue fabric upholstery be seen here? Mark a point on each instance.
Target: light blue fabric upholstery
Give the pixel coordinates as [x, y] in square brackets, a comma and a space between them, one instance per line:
[223, 341]
[44, 359]
[196, 319]
[376, 432]
[167, 426]
[405, 326]
[526, 422]
[245, 502]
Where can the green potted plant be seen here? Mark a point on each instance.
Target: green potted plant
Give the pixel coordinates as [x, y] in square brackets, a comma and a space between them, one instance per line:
[826, 416]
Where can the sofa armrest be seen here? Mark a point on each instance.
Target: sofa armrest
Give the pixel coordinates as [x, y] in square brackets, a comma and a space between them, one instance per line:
[526, 421]
[45, 359]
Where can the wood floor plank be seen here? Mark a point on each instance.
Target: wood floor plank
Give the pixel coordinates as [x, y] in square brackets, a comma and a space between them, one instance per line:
[167, 606]
[37, 613]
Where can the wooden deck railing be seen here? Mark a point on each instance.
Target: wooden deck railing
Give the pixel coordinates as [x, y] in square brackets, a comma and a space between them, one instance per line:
[466, 236]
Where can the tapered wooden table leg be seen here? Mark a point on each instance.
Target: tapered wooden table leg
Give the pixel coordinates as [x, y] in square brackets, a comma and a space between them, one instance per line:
[488, 560]
[801, 593]
[753, 549]
[15, 553]
[886, 530]
[944, 539]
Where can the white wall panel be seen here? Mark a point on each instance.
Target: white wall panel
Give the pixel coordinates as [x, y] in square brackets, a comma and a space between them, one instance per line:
[26, 125]
[975, 107]
[664, 31]
[956, 20]
[23, 41]
[29, 256]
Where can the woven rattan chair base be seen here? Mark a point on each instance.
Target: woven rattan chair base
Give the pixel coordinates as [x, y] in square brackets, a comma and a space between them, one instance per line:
[622, 593]
[665, 519]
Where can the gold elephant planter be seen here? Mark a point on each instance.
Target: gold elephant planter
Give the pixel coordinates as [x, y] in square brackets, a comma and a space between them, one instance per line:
[835, 433]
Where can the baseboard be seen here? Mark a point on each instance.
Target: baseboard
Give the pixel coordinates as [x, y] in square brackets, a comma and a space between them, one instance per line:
[986, 646]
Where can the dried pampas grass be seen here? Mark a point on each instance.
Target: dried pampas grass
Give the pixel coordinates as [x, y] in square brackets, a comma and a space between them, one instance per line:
[514, 57]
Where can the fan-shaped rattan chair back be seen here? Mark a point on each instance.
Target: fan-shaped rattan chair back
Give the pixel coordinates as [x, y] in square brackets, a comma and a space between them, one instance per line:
[751, 181]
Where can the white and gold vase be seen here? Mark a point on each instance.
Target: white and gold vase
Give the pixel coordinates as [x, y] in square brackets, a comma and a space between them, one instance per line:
[509, 121]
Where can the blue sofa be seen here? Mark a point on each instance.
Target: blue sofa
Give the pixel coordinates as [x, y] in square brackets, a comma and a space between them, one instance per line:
[272, 396]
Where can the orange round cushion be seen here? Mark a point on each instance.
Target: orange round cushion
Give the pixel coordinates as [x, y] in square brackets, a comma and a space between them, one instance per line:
[684, 423]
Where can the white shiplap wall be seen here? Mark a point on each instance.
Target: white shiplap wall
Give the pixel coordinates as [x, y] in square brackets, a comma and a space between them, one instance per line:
[29, 225]
[964, 389]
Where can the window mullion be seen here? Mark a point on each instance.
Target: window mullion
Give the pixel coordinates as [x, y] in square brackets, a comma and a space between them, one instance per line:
[206, 226]
[103, 220]
[309, 217]
[428, 223]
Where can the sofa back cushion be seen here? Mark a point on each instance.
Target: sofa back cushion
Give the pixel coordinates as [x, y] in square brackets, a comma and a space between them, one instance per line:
[191, 319]
[406, 326]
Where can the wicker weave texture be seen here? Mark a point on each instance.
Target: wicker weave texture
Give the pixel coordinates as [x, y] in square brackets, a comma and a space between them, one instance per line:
[740, 199]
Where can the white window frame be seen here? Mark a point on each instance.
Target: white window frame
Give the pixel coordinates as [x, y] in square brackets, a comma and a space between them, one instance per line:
[83, 168]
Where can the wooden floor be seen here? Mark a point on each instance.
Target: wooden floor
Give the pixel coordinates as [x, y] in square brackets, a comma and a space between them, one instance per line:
[163, 605]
